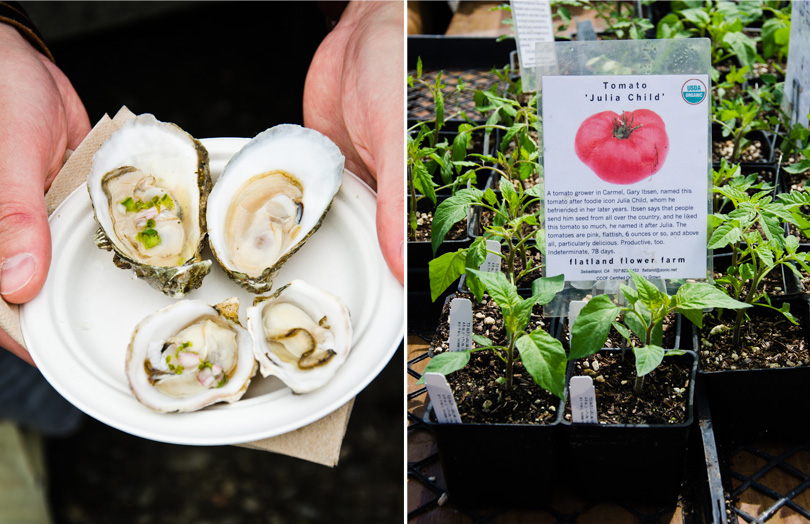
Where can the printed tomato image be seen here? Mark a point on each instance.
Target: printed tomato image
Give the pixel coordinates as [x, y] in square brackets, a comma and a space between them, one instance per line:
[623, 149]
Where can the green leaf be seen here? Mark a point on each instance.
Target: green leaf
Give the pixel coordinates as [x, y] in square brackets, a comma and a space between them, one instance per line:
[517, 317]
[460, 144]
[503, 292]
[799, 167]
[772, 227]
[476, 254]
[648, 358]
[726, 234]
[638, 321]
[623, 331]
[445, 363]
[490, 197]
[508, 190]
[451, 211]
[692, 298]
[591, 328]
[743, 46]
[481, 340]
[697, 16]
[544, 358]
[536, 191]
[629, 293]
[649, 295]
[423, 181]
[544, 289]
[445, 270]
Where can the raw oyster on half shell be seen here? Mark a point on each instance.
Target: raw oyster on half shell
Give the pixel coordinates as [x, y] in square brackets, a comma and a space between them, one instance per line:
[272, 195]
[301, 334]
[190, 355]
[149, 183]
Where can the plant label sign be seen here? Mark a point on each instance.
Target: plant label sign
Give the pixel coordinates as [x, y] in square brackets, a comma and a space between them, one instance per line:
[532, 21]
[627, 171]
[444, 405]
[460, 337]
[583, 400]
[797, 77]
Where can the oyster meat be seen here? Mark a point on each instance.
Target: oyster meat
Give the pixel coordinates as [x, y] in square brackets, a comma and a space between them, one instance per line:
[301, 334]
[149, 183]
[190, 355]
[272, 195]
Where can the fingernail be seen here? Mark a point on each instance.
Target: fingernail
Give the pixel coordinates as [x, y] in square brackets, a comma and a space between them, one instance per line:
[16, 273]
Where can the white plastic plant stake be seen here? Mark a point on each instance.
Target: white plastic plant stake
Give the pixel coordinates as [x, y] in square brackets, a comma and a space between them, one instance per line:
[583, 400]
[444, 405]
[460, 338]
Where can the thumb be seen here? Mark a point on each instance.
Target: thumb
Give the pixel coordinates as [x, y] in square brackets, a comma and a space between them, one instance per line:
[391, 222]
[25, 239]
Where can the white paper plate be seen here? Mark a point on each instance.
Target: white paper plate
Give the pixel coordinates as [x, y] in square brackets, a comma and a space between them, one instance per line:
[78, 328]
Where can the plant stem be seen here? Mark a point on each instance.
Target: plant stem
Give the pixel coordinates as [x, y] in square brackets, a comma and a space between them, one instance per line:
[413, 199]
[510, 361]
[749, 299]
[638, 385]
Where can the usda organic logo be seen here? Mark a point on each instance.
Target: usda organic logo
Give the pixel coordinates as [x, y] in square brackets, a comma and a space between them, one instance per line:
[693, 91]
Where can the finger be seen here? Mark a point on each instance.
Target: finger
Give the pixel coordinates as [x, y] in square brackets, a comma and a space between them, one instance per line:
[391, 219]
[10, 344]
[25, 241]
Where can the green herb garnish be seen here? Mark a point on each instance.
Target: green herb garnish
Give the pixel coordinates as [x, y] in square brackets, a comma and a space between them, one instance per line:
[149, 237]
[133, 206]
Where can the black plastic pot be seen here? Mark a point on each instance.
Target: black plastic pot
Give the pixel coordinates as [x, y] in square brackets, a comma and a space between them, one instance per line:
[630, 462]
[756, 401]
[486, 464]
[422, 311]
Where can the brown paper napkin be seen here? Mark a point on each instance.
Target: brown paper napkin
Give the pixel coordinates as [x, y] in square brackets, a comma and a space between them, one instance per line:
[318, 442]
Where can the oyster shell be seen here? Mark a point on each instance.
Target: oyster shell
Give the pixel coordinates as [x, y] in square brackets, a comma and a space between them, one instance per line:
[149, 183]
[190, 355]
[301, 334]
[272, 195]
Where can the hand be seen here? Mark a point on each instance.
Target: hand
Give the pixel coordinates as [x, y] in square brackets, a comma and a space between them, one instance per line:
[355, 94]
[40, 117]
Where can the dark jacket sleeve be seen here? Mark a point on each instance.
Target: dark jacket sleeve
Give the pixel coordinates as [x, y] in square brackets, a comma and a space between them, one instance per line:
[12, 13]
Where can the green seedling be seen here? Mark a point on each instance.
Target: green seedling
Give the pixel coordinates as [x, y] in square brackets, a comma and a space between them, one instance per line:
[776, 31]
[722, 22]
[737, 119]
[431, 158]
[643, 317]
[511, 213]
[754, 231]
[620, 19]
[541, 354]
